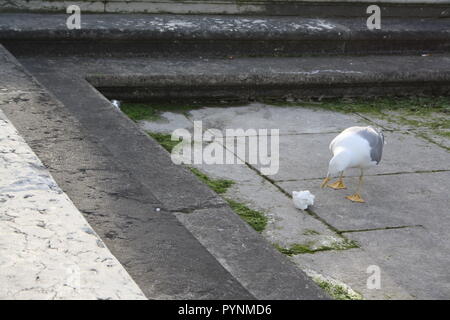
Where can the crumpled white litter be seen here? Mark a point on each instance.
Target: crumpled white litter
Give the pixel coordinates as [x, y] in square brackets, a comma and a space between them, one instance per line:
[302, 199]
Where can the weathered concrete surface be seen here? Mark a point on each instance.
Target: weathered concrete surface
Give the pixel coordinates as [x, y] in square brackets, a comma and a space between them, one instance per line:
[304, 8]
[396, 156]
[384, 74]
[234, 243]
[112, 180]
[428, 127]
[407, 200]
[168, 122]
[250, 78]
[392, 200]
[286, 225]
[210, 35]
[164, 259]
[350, 267]
[48, 250]
[263, 116]
[416, 258]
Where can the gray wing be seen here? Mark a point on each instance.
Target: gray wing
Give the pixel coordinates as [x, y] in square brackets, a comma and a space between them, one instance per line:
[376, 141]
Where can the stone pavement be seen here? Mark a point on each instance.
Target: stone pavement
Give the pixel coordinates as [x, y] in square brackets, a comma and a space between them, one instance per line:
[402, 228]
[48, 250]
[157, 218]
[175, 237]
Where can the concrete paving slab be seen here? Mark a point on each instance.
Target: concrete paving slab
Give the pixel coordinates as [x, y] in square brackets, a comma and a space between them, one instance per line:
[307, 156]
[391, 201]
[287, 225]
[441, 140]
[168, 122]
[437, 135]
[388, 121]
[238, 171]
[289, 120]
[350, 267]
[255, 262]
[414, 258]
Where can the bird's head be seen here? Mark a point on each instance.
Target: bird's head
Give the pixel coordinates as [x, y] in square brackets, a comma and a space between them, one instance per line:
[338, 163]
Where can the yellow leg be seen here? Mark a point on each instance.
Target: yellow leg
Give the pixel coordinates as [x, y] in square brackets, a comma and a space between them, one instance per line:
[325, 181]
[356, 197]
[338, 184]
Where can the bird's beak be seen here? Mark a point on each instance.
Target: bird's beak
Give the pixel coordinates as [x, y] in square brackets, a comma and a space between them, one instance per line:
[325, 181]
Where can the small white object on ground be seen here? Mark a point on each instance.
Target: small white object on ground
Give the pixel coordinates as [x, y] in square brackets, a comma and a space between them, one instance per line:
[116, 103]
[302, 199]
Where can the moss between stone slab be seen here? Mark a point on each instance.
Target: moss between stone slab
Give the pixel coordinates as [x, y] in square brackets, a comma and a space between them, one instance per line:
[337, 291]
[308, 247]
[151, 111]
[310, 232]
[443, 133]
[431, 113]
[218, 185]
[416, 105]
[256, 219]
[140, 111]
[430, 139]
[164, 139]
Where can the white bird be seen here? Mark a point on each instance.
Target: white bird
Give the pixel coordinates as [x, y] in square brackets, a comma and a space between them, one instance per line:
[355, 147]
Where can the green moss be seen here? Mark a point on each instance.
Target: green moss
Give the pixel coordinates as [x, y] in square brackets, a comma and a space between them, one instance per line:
[310, 247]
[413, 105]
[295, 249]
[310, 232]
[429, 139]
[140, 111]
[417, 112]
[443, 133]
[218, 185]
[164, 139]
[256, 219]
[152, 111]
[337, 291]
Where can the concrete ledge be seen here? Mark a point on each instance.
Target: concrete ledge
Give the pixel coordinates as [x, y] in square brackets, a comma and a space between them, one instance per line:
[303, 8]
[252, 78]
[233, 242]
[220, 36]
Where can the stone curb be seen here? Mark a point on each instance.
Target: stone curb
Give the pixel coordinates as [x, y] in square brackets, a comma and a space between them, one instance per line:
[220, 35]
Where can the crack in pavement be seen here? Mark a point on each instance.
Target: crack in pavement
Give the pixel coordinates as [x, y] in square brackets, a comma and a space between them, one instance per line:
[382, 228]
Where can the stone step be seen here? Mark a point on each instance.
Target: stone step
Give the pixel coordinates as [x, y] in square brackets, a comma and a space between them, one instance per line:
[268, 78]
[219, 36]
[301, 8]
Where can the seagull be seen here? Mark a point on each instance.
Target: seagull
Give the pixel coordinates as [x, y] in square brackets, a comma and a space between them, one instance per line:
[355, 147]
